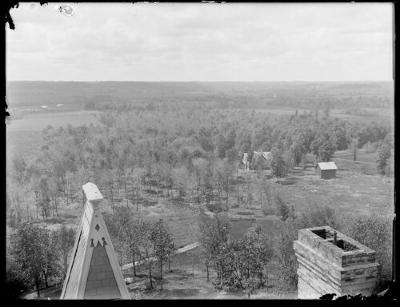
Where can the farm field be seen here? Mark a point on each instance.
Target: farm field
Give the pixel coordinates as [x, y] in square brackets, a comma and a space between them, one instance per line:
[349, 194]
[365, 115]
[370, 114]
[24, 135]
[39, 121]
[365, 161]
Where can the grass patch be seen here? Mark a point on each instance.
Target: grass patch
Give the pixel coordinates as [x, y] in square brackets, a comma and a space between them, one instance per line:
[244, 213]
[148, 203]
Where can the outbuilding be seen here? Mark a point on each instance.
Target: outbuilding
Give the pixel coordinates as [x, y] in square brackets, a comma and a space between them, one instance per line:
[326, 170]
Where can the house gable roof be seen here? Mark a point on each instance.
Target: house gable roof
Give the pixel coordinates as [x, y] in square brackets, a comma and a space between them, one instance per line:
[267, 155]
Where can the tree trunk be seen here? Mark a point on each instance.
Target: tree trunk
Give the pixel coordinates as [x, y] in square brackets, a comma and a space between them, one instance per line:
[192, 264]
[161, 265]
[169, 264]
[208, 274]
[161, 274]
[45, 280]
[151, 282]
[111, 194]
[66, 196]
[134, 265]
[55, 204]
[37, 287]
[355, 153]
[137, 200]
[126, 194]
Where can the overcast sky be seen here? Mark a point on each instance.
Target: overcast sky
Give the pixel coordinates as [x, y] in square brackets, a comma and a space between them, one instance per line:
[201, 42]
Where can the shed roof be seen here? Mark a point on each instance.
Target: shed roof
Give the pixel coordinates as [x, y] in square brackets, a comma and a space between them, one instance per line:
[327, 165]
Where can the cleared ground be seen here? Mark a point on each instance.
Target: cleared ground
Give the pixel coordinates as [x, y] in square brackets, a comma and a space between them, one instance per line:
[39, 121]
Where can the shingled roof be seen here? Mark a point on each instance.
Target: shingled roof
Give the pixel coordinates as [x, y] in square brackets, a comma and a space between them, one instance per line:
[267, 155]
[327, 165]
[94, 272]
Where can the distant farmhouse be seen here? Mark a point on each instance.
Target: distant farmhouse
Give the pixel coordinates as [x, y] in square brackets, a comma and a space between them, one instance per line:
[259, 160]
[326, 170]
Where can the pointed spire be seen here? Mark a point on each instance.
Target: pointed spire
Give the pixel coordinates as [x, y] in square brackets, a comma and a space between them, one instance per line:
[94, 272]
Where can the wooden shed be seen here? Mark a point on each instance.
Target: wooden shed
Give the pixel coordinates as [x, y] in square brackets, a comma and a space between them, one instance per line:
[326, 170]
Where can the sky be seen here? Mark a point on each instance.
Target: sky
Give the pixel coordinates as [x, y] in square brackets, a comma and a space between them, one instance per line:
[201, 42]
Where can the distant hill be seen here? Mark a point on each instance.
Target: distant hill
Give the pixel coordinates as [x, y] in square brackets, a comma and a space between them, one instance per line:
[254, 94]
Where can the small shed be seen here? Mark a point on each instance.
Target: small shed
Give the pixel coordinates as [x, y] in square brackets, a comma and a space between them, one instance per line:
[326, 170]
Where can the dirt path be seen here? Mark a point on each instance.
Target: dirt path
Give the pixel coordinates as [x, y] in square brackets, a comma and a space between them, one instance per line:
[181, 250]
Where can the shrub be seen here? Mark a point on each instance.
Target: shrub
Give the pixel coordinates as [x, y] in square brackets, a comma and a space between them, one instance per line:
[268, 205]
[214, 207]
[318, 216]
[268, 210]
[15, 284]
[382, 159]
[283, 208]
[284, 252]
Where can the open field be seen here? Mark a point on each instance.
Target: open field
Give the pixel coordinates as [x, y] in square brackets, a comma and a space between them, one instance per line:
[39, 121]
[370, 114]
[349, 194]
[365, 161]
[24, 135]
